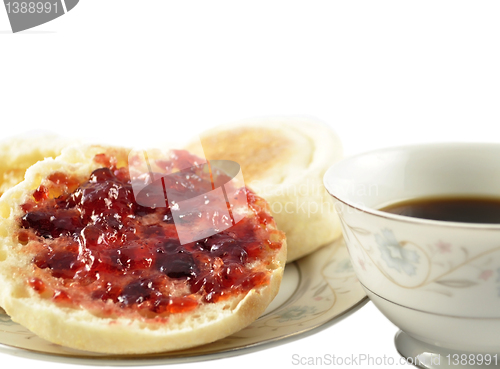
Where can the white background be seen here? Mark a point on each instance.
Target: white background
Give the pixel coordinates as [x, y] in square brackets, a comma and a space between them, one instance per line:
[380, 72]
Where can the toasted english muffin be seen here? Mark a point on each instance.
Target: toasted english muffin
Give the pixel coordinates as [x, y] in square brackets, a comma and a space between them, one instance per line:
[19, 153]
[84, 266]
[283, 159]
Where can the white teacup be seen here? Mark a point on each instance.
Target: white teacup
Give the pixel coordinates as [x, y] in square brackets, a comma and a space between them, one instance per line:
[438, 281]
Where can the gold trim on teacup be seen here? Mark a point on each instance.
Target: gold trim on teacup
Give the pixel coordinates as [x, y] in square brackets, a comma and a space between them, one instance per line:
[429, 312]
[419, 221]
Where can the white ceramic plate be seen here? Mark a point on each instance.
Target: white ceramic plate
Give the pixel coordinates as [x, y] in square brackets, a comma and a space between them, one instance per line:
[317, 291]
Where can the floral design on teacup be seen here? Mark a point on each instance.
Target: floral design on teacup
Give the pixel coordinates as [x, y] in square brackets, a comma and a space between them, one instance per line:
[395, 255]
[439, 266]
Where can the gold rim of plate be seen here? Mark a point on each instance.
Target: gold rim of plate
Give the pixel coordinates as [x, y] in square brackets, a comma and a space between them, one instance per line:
[316, 292]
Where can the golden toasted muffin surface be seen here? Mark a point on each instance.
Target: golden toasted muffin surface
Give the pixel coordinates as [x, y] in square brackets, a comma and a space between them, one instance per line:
[283, 159]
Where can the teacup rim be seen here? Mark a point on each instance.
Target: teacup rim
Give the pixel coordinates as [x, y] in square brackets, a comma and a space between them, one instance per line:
[403, 218]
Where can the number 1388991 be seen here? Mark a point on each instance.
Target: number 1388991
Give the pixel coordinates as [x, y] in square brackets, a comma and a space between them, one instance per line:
[32, 7]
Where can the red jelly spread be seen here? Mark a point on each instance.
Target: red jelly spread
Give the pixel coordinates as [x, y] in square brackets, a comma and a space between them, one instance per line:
[94, 246]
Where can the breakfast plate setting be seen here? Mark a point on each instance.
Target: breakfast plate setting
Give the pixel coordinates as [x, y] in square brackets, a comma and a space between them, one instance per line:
[128, 254]
[251, 236]
[317, 291]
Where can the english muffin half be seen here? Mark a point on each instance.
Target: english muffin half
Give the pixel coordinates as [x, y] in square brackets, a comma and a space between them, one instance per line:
[283, 159]
[84, 265]
[19, 153]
